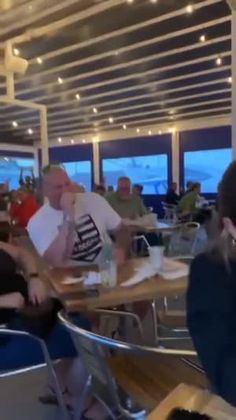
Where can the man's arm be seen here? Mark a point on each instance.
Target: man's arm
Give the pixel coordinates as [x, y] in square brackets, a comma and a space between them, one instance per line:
[122, 239]
[61, 248]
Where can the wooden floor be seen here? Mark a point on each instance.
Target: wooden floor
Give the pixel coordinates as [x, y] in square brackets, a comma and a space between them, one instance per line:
[149, 380]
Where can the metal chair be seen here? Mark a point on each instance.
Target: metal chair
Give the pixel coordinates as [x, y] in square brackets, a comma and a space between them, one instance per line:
[183, 240]
[48, 363]
[125, 315]
[170, 212]
[100, 379]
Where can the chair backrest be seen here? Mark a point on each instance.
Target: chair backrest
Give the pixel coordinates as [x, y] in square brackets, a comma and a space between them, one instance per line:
[170, 211]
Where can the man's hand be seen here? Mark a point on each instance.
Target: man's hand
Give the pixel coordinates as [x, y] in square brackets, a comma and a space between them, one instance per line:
[68, 205]
[37, 291]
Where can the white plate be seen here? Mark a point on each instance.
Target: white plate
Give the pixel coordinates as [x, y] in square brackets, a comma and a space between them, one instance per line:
[72, 280]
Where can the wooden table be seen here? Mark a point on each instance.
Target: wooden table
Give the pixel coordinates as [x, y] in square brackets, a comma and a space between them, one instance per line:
[161, 227]
[155, 287]
[194, 399]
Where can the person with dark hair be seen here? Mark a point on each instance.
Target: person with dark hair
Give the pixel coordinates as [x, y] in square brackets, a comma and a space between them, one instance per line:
[211, 297]
[100, 189]
[172, 197]
[138, 189]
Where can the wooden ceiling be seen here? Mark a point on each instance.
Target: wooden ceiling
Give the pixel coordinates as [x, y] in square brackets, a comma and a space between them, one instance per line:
[104, 65]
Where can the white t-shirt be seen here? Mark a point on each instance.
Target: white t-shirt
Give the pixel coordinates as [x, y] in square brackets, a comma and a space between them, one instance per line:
[94, 218]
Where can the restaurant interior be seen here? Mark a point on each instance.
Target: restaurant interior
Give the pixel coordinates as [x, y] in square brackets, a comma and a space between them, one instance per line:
[117, 213]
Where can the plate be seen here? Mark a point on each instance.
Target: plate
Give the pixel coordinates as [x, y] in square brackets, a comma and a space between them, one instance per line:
[68, 281]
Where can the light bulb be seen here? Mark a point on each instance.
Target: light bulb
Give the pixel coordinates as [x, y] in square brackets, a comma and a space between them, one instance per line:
[39, 60]
[30, 131]
[189, 8]
[111, 120]
[14, 124]
[124, 127]
[60, 80]
[59, 139]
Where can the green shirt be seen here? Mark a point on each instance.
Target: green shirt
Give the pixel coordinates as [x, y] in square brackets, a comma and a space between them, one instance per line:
[187, 203]
[130, 208]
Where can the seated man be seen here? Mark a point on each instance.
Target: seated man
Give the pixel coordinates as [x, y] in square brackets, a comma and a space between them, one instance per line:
[73, 227]
[24, 208]
[187, 204]
[126, 204]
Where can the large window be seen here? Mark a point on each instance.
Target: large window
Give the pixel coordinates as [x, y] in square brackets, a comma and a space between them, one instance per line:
[206, 167]
[150, 171]
[11, 167]
[80, 172]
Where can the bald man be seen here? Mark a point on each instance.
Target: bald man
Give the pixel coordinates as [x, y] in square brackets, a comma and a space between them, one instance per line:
[72, 227]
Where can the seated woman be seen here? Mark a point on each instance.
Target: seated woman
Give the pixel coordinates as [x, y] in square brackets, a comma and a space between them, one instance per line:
[21, 288]
[211, 297]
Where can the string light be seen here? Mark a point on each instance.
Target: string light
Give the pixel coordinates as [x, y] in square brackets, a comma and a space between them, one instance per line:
[153, 1]
[72, 141]
[124, 127]
[30, 131]
[83, 141]
[202, 38]
[230, 79]
[130, 1]
[16, 51]
[77, 96]
[39, 60]
[138, 130]
[95, 110]
[14, 124]
[189, 8]
[59, 139]
[159, 132]
[60, 80]
[219, 61]
[111, 120]
[149, 132]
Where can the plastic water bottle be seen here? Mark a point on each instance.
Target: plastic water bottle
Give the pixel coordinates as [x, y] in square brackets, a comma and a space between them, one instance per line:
[107, 267]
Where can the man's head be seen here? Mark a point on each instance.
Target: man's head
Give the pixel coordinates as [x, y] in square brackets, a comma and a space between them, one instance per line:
[124, 187]
[55, 183]
[196, 188]
[137, 189]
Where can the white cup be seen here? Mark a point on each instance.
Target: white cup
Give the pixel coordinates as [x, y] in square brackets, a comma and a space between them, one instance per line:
[156, 256]
[150, 219]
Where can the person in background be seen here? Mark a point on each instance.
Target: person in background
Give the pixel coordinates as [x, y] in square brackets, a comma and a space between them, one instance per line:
[29, 182]
[124, 202]
[23, 293]
[72, 228]
[100, 189]
[110, 188]
[187, 204]
[23, 207]
[138, 190]
[172, 197]
[211, 296]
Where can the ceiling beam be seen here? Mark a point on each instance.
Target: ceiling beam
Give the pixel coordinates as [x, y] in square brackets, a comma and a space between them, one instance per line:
[232, 4]
[161, 123]
[59, 24]
[18, 114]
[134, 119]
